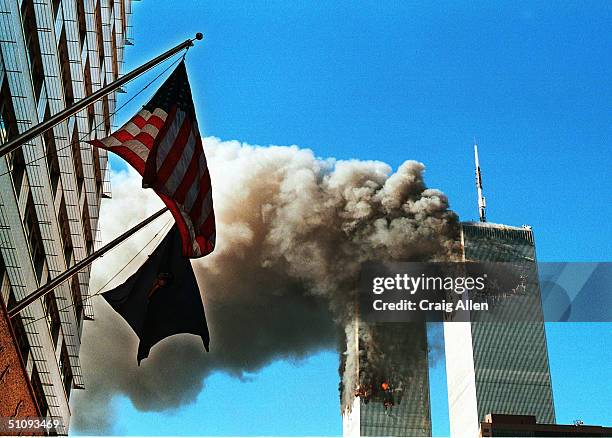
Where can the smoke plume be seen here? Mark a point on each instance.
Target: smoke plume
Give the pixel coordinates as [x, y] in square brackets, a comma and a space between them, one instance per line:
[292, 232]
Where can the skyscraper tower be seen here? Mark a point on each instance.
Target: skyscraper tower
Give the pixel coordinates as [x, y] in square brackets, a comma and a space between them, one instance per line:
[498, 367]
[404, 369]
[52, 54]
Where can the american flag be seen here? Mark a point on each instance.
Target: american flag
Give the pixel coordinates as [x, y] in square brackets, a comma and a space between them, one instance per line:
[162, 142]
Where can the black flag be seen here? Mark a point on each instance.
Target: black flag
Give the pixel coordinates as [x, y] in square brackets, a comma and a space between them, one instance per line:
[162, 298]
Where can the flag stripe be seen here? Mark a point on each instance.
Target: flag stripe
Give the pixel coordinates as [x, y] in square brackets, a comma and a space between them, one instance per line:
[123, 136]
[192, 192]
[162, 142]
[172, 126]
[139, 121]
[151, 129]
[180, 141]
[208, 226]
[188, 180]
[206, 209]
[156, 121]
[132, 129]
[128, 155]
[202, 194]
[145, 139]
[181, 166]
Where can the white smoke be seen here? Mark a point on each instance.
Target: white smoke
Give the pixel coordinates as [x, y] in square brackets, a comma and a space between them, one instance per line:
[292, 233]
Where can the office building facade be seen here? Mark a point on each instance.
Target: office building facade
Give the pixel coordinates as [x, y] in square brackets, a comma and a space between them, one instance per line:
[499, 366]
[405, 368]
[53, 53]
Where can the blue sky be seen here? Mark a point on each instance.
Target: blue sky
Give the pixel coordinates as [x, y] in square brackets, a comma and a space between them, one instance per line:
[394, 81]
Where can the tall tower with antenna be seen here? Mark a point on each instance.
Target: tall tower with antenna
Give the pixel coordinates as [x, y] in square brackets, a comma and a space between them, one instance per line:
[482, 205]
[498, 366]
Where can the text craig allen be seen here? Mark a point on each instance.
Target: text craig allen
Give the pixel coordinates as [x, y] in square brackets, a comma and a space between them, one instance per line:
[412, 285]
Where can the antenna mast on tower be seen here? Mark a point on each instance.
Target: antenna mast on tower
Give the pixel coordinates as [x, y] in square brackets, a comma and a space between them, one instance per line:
[482, 205]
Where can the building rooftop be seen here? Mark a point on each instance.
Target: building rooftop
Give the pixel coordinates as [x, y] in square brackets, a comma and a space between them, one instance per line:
[526, 425]
[497, 226]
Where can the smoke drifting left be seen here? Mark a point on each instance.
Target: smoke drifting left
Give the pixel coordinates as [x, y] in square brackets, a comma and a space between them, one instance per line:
[293, 231]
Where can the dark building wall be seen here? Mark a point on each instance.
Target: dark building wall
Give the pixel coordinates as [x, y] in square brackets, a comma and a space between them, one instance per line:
[496, 425]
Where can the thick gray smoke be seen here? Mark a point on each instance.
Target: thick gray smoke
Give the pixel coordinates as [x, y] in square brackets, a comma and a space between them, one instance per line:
[292, 232]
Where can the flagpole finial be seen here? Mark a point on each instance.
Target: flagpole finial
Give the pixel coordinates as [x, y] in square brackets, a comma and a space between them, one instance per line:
[199, 36]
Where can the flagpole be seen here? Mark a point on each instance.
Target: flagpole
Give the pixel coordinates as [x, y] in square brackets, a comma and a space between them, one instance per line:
[55, 282]
[34, 131]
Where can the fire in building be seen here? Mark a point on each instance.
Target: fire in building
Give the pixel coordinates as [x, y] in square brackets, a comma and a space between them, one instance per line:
[52, 54]
[492, 366]
[389, 395]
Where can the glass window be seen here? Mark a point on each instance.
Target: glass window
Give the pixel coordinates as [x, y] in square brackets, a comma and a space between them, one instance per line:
[82, 23]
[17, 169]
[51, 154]
[75, 289]
[56, 7]
[32, 42]
[5, 285]
[87, 229]
[22, 340]
[65, 68]
[78, 161]
[39, 393]
[65, 370]
[65, 232]
[100, 34]
[8, 123]
[87, 79]
[34, 237]
[106, 114]
[96, 164]
[52, 316]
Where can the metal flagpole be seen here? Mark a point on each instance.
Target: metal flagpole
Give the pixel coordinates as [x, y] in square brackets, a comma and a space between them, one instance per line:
[88, 100]
[55, 282]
